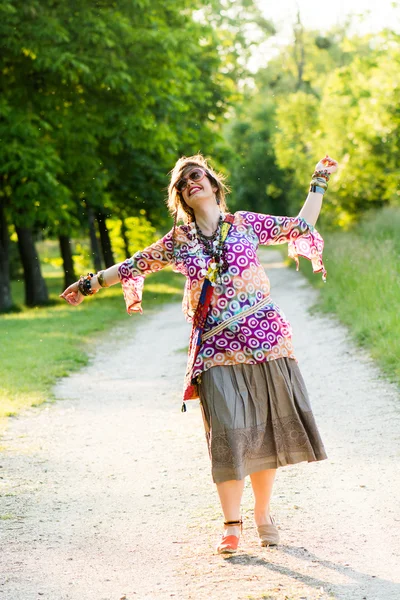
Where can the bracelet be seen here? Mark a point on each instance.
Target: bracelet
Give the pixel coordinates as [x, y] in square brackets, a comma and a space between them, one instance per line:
[101, 279]
[317, 189]
[323, 173]
[320, 183]
[85, 285]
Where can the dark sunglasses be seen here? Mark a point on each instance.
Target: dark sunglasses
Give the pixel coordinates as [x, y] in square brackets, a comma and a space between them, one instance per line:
[195, 176]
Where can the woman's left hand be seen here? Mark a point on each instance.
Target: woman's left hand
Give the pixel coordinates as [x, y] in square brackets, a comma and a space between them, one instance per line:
[328, 164]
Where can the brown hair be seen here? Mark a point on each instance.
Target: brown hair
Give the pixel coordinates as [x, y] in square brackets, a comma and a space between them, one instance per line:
[176, 204]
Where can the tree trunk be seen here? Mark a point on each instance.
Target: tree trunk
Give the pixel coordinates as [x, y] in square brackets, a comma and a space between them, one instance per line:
[124, 235]
[94, 243]
[68, 261]
[35, 286]
[105, 240]
[5, 284]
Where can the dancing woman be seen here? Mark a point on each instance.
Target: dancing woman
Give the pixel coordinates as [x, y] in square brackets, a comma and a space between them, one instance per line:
[255, 407]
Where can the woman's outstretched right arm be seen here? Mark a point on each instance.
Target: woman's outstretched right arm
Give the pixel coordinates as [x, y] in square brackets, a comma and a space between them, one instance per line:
[73, 296]
[130, 273]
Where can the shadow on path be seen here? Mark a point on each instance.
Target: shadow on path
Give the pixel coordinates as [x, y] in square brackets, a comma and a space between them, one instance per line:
[385, 589]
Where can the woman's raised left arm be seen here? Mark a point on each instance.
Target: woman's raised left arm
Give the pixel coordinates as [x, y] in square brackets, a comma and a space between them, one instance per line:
[312, 206]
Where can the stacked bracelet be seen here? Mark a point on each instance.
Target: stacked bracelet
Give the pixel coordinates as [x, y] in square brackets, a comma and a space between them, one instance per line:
[101, 280]
[85, 285]
[319, 181]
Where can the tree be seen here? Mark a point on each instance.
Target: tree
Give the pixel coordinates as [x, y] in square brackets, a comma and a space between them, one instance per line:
[258, 183]
[362, 124]
[331, 93]
[5, 288]
[99, 99]
[30, 188]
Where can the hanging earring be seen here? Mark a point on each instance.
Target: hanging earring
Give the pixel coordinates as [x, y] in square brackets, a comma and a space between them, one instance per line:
[218, 201]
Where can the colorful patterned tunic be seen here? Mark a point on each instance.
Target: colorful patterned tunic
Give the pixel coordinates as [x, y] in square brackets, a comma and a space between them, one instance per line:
[262, 336]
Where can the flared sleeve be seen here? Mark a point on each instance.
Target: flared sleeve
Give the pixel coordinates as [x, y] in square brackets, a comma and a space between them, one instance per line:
[302, 238]
[133, 270]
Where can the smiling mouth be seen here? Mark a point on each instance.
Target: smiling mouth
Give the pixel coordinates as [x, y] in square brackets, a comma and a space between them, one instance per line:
[194, 190]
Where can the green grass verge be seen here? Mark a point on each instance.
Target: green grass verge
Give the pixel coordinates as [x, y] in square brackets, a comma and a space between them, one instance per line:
[39, 345]
[363, 285]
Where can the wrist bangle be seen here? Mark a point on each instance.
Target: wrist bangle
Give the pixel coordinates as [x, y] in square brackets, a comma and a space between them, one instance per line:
[320, 182]
[317, 189]
[101, 279]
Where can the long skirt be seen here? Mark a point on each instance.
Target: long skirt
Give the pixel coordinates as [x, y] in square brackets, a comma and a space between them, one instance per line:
[257, 417]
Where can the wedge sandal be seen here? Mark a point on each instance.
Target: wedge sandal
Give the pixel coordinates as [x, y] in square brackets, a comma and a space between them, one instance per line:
[229, 543]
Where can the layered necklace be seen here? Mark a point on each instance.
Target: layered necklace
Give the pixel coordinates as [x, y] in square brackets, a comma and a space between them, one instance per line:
[214, 246]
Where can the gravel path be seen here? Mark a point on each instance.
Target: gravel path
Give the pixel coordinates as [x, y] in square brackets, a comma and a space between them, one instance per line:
[110, 496]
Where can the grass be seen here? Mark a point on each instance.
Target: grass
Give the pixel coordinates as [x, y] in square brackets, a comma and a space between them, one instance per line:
[363, 286]
[39, 345]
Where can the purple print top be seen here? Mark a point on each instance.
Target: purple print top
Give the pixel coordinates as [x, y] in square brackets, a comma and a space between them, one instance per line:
[243, 334]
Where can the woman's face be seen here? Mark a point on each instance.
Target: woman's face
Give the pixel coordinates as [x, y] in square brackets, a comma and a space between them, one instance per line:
[198, 192]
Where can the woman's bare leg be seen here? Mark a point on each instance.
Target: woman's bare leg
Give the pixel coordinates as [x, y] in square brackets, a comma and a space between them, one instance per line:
[262, 483]
[230, 495]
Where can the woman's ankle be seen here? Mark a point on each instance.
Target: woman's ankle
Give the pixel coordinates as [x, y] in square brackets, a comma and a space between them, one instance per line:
[233, 526]
[232, 530]
[262, 517]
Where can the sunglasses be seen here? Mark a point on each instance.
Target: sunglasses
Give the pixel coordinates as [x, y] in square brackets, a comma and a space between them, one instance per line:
[195, 176]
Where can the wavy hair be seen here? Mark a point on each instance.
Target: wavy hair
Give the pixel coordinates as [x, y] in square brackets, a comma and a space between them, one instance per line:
[176, 204]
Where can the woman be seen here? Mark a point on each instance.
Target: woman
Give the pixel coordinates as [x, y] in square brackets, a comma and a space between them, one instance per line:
[254, 402]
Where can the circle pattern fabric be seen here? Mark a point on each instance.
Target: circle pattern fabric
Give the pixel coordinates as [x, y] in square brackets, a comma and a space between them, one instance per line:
[263, 336]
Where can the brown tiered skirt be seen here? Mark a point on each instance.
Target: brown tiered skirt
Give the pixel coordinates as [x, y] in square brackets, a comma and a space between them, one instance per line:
[257, 417]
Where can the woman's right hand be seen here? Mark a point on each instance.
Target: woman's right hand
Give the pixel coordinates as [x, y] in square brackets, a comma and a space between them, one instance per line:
[72, 295]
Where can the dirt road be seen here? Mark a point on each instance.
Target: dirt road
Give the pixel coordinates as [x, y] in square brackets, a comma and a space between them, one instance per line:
[107, 494]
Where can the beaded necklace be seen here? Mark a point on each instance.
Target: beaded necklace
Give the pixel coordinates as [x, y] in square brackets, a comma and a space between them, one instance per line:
[207, 241]
[217, 250]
